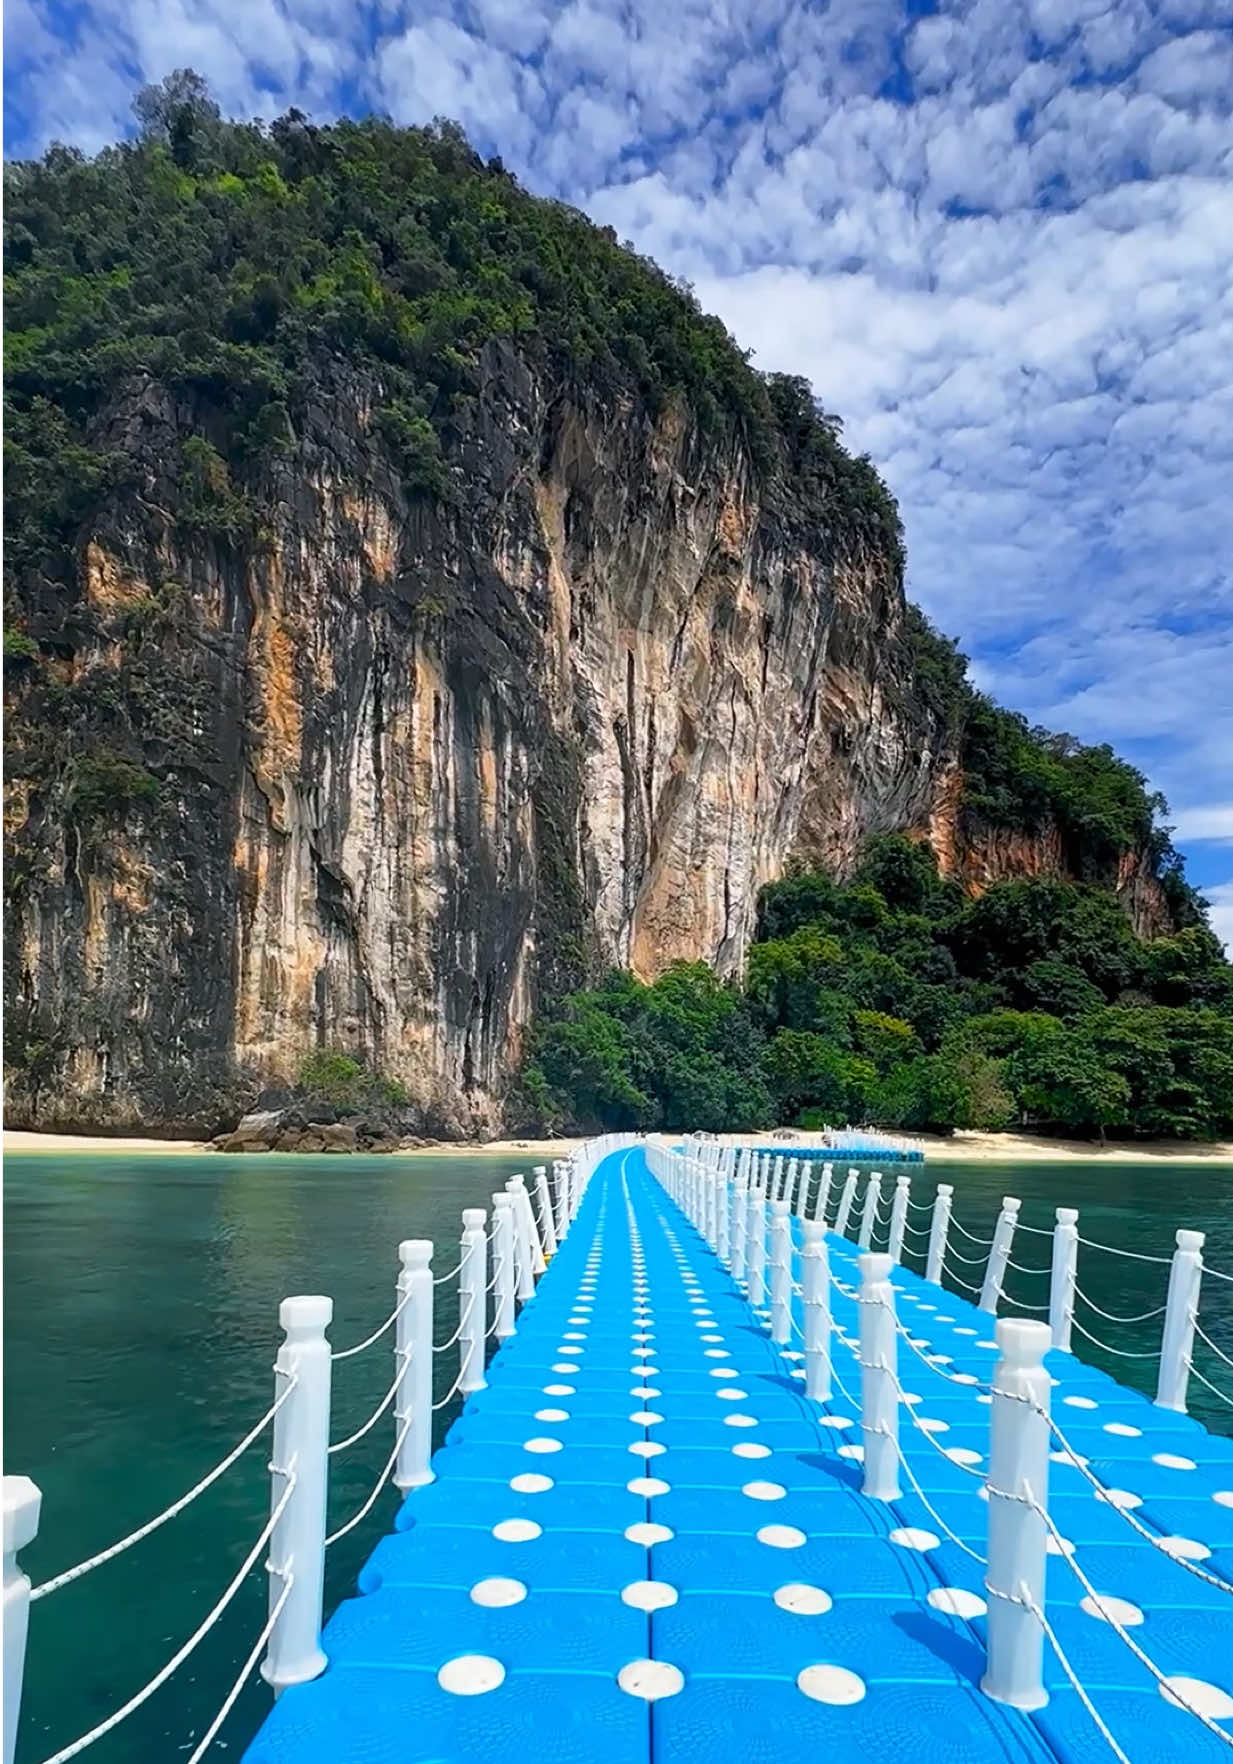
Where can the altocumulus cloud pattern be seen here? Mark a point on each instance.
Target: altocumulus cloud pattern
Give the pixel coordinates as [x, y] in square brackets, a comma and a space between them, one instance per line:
[997, 237]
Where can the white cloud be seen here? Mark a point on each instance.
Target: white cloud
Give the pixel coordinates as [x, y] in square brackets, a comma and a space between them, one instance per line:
[1220, 900]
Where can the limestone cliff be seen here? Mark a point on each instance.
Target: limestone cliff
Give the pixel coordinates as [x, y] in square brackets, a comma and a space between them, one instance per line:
[418, 763]
[415, 604]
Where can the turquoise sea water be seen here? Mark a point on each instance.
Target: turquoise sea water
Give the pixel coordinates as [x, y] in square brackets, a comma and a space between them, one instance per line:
[141, 1297]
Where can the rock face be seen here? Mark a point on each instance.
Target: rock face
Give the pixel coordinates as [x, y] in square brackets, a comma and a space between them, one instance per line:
[411, 764]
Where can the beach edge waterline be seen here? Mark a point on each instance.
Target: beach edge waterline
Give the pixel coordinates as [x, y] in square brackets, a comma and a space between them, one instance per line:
[963, 1148]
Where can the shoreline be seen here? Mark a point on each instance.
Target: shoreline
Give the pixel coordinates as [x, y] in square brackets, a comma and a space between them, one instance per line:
[963, 1148]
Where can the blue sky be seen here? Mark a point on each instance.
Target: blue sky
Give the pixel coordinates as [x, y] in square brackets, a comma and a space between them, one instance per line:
[998, 238]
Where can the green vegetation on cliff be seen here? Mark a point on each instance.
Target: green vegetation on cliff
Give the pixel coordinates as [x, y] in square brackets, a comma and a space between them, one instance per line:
[895, 1000]
[231, 263]
[231, 268]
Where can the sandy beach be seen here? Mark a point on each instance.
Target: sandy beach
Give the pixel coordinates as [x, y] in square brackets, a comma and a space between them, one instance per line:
[963, 1148]
[15, 1141]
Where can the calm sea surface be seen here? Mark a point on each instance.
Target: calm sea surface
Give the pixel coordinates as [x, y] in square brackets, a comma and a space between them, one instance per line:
[141, 1297]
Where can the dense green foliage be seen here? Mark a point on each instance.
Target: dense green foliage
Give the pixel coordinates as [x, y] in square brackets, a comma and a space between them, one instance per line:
[234, 266]
[232, 263]
[331, 1076]
[229, 261]
[895, 1000]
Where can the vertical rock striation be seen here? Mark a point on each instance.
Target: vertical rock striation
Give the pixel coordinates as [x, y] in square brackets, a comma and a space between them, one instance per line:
[408, 766]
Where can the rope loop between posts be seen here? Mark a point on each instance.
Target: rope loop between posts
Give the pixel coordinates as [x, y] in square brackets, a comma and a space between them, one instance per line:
[1102, 1492]
[395, 1314]
[498, 1262]
[452, 1273]
[463, 1320]
[1206, 1338]
[1020, 1269]
[968, 1261]
[1119, 1353]
[185, 1500]
[1110, 1317]
[966, 1284]
[177, 1659]
[984, 1242]
[1207, 1383]
[403, 1354]
[1098, 1600]
[229, 1701]
[450, 1394]
[1022, 1304]
[1024, 1599]
[380, 1483]
[1131, 1255]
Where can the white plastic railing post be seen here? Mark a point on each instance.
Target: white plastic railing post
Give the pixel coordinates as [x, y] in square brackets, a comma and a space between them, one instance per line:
[472, 1301]
[755, 1250]
[547, 1223]
[737, 1232]
[505, 1262]
[845, 1202]
[939, 1228]
[723, 1216]
[560, 1176]
[522, 1200]
[823, 1198]
[873, 1194]
[798, 1186]
[1182, 1307]
[413, 1406]
[524, 1264]
[1018, 1485]
[899, 1217]
[1062, 1276]
[575, 1185]
[999, 1254]
[22, 1499]
[879, 1379]
[777, 1178]
[300, 1451]
[781, 1272]
[816, 1302]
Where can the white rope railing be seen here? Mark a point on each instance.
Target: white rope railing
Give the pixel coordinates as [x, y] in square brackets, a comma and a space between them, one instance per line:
[449, 1396]
[1120, 1353]
[343, 1445]
[1131, 1255]
[452, 1273]
[229, 1701]
[1207, 1383]
[1207, 1340]
[463, 1320]
[185, 1500]
[1171, 1691]
[1112, 1317]
[966, 1284]
[1029, 1604]
[968, 1261]
[1022, 1304]
[178, 1658]
[395, 1314]
[1034, 1272]
[381, 1481]
[985, 1242]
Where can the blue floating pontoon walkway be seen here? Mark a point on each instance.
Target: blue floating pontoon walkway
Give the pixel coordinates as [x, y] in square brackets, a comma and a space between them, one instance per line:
[642, 1543]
